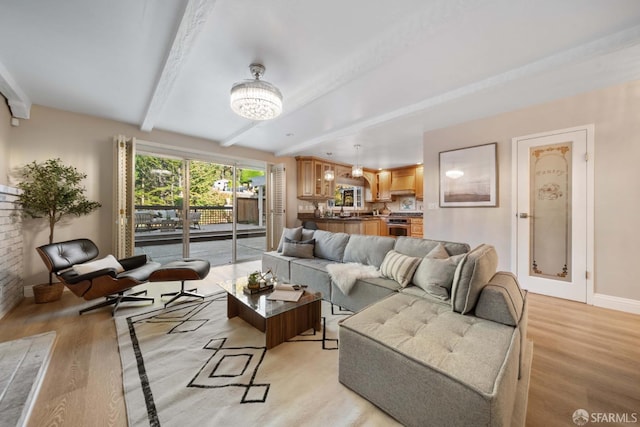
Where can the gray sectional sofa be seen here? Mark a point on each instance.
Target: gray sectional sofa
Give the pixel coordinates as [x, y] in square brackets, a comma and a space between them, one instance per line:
[447, 348]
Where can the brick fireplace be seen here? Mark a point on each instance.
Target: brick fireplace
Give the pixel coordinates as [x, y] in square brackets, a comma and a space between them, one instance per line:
[11, 242]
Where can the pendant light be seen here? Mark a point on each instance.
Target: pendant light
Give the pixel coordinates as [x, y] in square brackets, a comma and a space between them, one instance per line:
[356, 169]
[329, 175]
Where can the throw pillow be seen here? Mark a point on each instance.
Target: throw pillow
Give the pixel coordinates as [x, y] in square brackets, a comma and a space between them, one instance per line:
[299, 249]
[435, 275]
[290, 233]
[439, 252]
[107, 262]
[399, 267]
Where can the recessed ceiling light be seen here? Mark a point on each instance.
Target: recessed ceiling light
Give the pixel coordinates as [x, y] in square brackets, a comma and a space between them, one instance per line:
[419, 163]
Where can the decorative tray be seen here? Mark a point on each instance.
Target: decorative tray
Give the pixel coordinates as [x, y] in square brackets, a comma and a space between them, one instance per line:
[257, 291]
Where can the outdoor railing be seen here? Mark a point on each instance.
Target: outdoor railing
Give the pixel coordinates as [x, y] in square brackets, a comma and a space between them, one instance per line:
[247, 212]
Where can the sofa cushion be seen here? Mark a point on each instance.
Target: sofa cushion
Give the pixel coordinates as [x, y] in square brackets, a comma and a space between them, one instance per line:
[307, 234]
[433, 366]
[368, 250]
[501, 300]
[399, 267]
[329, 245]
[472, 274]
[278, 264]
[421, 247]
[299, 249]
[290, 233]
[435, 276]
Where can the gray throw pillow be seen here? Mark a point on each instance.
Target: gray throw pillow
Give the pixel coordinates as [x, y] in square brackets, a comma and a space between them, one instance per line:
[399, 267]
[290, 233]
[439, 252]
[435, 275]
[298, 249]
[307, 234]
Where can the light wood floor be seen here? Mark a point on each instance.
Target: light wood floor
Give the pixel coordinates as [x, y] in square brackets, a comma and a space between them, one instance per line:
[584, 357]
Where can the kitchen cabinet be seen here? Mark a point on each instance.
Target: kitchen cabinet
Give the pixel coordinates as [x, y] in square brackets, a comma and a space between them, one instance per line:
[369, 227]
[305, 178]
[323, 188]
[311, 182]
[420, 183]
[383, 179]
[417, 227]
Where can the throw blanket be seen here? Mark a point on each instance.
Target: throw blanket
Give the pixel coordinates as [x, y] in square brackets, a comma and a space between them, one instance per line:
[345, 275]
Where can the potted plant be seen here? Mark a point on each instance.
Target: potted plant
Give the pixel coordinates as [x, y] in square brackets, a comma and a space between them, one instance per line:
[53, 191]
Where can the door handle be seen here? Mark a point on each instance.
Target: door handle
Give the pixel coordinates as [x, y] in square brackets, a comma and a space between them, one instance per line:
[523, 215]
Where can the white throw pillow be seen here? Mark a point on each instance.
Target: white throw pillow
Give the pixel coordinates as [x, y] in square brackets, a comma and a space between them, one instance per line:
[399, 267]
[107, 262]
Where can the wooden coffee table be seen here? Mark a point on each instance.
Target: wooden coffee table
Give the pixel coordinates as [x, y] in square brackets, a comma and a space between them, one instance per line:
[279, 320]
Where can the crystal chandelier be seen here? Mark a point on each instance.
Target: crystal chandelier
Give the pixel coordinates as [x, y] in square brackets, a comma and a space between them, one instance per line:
[256, 99]
[356, 169]
[328, 174]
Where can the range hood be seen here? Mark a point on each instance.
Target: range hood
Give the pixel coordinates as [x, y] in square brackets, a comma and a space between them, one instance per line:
[403, 182]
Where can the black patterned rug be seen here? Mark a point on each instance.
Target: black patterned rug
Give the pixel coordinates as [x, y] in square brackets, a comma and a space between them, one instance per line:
[189, 365]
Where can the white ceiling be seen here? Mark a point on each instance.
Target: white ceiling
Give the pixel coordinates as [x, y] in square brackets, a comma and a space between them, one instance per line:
[372, 72]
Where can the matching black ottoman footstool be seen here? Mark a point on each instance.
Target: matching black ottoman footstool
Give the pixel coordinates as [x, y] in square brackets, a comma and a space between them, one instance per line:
[183, 270]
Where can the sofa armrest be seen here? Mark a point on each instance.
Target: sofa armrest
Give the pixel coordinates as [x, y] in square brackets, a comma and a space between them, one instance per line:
[502, 300]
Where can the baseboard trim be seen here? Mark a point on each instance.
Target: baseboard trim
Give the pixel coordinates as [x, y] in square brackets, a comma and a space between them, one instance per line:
[616, 303]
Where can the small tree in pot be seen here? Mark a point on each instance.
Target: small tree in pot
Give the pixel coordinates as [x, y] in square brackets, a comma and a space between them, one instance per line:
[52, 190]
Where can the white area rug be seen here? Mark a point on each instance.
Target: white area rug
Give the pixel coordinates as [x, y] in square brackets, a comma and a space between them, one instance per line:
[189, 365]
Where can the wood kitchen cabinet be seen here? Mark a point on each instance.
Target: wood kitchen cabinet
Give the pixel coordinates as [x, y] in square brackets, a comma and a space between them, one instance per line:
[420, 183]
[311, 182]
[323, 188]
[370, 227]
[383, 179]
[417, 229]
[306, 179]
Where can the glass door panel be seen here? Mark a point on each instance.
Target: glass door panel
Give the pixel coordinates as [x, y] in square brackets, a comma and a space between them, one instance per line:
[204, 225]
[211, 205]
[158, 196]
[251, 239]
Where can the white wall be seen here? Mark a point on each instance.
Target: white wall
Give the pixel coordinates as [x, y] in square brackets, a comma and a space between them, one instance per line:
[87, 143]
[615, 112]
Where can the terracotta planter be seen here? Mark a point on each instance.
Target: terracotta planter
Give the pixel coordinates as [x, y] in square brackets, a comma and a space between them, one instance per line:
[44, 293]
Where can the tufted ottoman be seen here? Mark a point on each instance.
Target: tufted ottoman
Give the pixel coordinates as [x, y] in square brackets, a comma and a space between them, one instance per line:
[182, 270]
[426, 365]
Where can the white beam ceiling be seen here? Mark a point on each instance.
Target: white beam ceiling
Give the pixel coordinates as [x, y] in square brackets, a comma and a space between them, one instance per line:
[195, 17]
[18, 100]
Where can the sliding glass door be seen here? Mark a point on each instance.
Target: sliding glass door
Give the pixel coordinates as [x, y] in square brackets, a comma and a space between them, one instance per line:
[198, 209]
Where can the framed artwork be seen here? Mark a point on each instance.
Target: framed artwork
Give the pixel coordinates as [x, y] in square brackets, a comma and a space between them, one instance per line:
[408, 204]
[469, 177]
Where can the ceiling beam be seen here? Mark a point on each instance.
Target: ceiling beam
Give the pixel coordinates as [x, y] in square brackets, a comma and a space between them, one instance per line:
[609, 44]
[19, 102]
[195, 17]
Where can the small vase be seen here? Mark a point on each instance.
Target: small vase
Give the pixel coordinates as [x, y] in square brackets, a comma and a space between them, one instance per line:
[316, 213]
